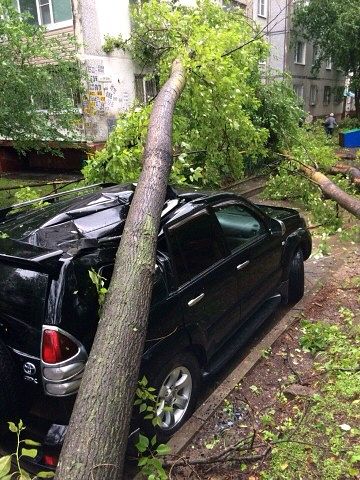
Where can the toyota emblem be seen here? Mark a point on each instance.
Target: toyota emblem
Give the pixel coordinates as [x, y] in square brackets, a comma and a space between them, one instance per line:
[29, 368]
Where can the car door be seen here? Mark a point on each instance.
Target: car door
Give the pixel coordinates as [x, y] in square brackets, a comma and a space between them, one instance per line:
[257, 253]
[206, 286]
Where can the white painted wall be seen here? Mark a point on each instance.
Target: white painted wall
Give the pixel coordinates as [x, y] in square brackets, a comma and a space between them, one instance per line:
[111, 87]
[111, 77]
[274, 24]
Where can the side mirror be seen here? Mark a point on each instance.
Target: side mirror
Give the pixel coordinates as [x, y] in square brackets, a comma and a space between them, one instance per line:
[278, 228]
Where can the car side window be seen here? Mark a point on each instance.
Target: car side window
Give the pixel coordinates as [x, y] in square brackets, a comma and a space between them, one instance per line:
[195, 246]
[240, 225]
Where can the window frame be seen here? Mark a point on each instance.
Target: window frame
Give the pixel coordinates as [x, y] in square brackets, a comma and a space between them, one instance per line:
[299, 91]
[297, 59]
[146, 85]
[49, 26]
[255, 213]
[262, 8]
[170, 232]
[327, 95]
[314, 93]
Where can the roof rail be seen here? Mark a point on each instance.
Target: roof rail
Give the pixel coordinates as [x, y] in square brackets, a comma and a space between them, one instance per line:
[4, 211]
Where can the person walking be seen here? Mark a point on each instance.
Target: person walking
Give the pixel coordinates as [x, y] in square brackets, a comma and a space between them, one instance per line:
[330, 124]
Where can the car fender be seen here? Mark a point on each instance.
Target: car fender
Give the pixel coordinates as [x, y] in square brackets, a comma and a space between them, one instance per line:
[174, 342]
[300, 238]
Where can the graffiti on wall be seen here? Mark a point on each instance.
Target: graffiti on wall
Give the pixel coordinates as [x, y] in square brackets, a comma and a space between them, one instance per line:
[106, 97]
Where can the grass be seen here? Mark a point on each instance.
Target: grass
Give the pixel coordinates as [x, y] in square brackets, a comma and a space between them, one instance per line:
[321, 437]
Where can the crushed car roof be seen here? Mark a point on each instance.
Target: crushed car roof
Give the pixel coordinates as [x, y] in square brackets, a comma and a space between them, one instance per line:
[63, 223]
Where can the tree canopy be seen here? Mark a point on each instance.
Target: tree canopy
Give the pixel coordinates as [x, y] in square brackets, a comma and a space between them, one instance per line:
[225, 122]
[40, 78]
[334, 28]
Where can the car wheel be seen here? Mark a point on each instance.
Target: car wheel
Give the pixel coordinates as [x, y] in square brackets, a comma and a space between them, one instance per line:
[296, 277]
[176, 381]
[11, 388]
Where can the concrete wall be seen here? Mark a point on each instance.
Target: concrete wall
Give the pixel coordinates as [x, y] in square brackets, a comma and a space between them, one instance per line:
[304, 77]
[273, 23]
[111, 87]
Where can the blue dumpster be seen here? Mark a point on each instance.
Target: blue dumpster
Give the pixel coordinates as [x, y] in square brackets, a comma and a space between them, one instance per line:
[350, 138]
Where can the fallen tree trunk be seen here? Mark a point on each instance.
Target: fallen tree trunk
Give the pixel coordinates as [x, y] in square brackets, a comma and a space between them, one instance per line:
[332, 191]
[96, 440]
[353, 172]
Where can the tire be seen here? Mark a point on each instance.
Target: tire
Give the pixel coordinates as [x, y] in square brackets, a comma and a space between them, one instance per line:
[11, 388]
[164, 375]
[296, 277]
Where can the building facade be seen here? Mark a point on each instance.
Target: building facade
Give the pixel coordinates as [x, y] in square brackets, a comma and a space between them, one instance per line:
[320, 92]
[115, 81]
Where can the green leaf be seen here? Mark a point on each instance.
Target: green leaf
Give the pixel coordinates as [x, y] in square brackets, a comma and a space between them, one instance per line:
[355, 458]
[24, 475]
[143, 461]
[32, 443]
[12, 427]
[45, 475]
[5, 465]
[153, 441]
[142, 408]
[143, 443]
[27, 452]
[163, 449]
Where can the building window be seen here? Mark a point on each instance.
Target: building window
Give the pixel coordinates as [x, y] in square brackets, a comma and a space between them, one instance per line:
[145, 88]
[328, 64]
[262, 8]
[52, 13]
[313, 95]
[339, 94]
[327, 95]
[299, 91]
[299, 56]
[316, 55]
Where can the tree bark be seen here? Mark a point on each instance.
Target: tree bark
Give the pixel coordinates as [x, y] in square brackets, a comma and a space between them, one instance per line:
[348, 202]
[353, 172]
[96, 440]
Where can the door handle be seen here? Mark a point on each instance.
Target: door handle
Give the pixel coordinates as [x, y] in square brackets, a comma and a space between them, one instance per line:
[243, 265]
[196, 300]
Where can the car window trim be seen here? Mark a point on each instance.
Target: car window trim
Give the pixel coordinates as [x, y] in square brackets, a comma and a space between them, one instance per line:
[256, 239]
[178, 288]
[205, 210]
[252, 208]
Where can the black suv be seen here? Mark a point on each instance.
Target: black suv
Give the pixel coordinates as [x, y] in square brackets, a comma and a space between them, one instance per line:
[223, 265]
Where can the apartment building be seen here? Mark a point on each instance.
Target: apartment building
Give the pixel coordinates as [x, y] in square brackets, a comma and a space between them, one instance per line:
[115, 81]
[319, 93]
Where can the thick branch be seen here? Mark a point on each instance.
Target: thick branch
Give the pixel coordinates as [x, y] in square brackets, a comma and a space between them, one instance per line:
[353, 172]
[332, 191]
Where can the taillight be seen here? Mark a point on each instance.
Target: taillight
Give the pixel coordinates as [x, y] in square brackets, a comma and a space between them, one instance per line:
[57, 347]
[50, 460]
